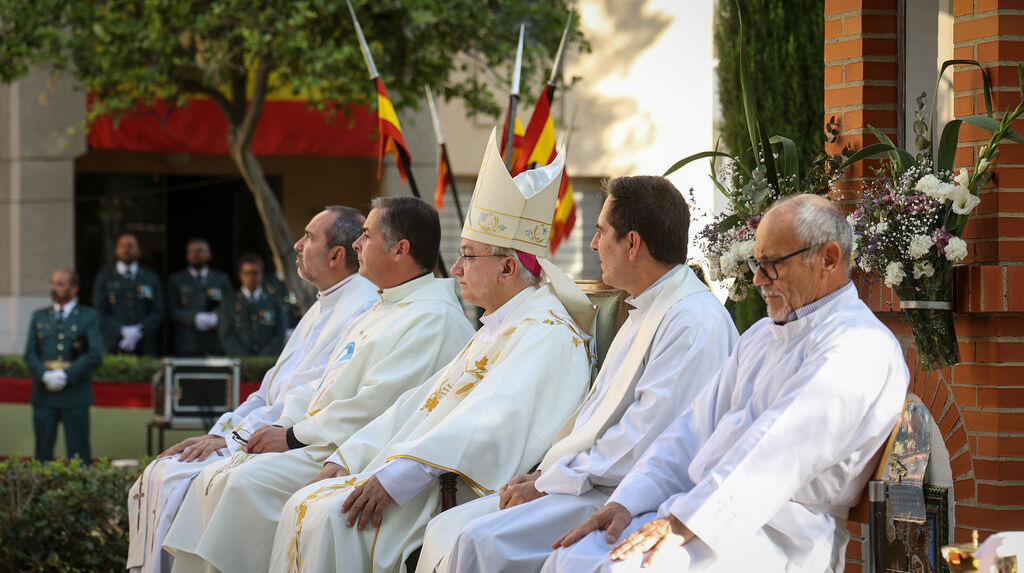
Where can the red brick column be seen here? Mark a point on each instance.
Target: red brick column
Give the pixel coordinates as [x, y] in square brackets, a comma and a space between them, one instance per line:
[977, 404]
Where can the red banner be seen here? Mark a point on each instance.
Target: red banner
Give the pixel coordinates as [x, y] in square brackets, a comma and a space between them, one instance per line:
[286, 127]
[106, 394]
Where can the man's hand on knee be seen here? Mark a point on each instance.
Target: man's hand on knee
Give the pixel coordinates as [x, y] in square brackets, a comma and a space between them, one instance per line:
[331, 470]
[179, 447]
[612, 518]
[367, 501]
[657, 536]
[519, 490]
[202, 448]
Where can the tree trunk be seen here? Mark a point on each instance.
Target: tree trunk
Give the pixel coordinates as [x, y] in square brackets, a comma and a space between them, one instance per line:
[276, 228]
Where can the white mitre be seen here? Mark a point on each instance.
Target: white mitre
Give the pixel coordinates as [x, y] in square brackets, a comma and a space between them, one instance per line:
[517, 213]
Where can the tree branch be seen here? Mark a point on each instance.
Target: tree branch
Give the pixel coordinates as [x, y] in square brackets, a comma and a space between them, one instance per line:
[259, 94]
[219, 98]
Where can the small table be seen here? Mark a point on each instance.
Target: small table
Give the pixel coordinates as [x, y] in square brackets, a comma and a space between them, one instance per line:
[161, 426]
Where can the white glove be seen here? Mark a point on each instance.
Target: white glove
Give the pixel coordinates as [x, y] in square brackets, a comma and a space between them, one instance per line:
[55, 380]
[131, 334]
[206, 321]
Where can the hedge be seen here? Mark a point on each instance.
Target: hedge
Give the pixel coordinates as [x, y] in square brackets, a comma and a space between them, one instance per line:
[128, 368]
[60, 516]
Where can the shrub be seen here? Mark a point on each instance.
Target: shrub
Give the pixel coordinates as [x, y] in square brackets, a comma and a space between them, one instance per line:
[60, 516]
[128, 368]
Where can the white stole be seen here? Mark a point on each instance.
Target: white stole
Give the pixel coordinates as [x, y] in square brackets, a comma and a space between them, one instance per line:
[679, 286]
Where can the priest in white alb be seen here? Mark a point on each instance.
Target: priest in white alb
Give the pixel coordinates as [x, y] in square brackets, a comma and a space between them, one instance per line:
[489, 414]
[676, 337]
[417, 325]
[760, 472]
[326, 260]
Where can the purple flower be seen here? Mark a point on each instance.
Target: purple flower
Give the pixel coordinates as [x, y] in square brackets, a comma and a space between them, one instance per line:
[941, 237]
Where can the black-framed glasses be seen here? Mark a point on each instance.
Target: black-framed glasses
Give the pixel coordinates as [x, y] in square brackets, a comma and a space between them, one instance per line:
[241, 437]
[767, 266]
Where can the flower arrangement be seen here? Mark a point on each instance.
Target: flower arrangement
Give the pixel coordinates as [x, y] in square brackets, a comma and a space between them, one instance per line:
[908, 225]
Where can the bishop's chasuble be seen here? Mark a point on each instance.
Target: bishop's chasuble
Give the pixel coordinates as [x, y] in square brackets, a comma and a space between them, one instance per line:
[765, 465]
[675, 339]
[488, 415]
[229, 515]
[154, 499]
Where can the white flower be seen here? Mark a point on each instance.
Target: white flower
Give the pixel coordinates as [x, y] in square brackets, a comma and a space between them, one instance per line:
[894, 274]
[864, 265]
[729, 265]
[714, 272]
[932, 187]
[920, 245]
[880, 228]
[923, 269]
[956, 249]
[964, 201]
[737, 292]
[743, 250]
[963, 178]
[983, 165]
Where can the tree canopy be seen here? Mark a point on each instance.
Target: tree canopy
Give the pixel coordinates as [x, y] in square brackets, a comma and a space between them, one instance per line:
[128, 53]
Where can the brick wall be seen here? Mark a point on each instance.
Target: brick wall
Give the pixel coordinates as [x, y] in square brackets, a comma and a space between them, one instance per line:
[977, 404]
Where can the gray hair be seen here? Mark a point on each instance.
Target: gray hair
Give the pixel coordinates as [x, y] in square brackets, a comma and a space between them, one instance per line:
[523, 274]
[818, 222]
[347, 227]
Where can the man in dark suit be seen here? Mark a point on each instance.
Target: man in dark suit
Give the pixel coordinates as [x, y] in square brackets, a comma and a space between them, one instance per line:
[64, 347]
[252, 322]
[129, 301]
[194, 297]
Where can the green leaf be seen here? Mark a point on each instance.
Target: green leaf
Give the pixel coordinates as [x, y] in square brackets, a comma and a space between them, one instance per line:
[689, 159]
[947, 146]
[993, 125]
[790, 159]
[869, 151]
[747, 86]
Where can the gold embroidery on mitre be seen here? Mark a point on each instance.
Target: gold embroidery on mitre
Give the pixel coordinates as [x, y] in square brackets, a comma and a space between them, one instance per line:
[294, 559]
[538, 234]
[490, 222]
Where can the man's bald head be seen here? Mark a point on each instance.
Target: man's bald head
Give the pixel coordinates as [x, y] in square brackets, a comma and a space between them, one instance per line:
[803, 248]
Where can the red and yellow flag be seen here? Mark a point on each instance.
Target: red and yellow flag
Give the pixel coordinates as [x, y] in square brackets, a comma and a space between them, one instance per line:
[565, 213]
[517, 139]
[391, 139]
[443, 180]
[539, 141]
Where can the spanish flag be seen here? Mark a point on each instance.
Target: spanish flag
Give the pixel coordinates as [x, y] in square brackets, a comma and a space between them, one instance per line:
[565, 213]
[391, 139]
[443, 180]
[517, 139]
[539, 141]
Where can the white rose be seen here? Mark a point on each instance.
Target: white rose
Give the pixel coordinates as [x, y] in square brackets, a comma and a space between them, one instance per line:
[964, 201]
[894, 274]
[932, 187]
[963, 178]
[920, 245]
[956, 249]
[744, 250]
[923, 269]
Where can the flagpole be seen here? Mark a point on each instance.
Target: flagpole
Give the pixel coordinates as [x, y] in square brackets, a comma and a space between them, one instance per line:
[439, 135]
[513, 99]
[371, 68]
[556, 67]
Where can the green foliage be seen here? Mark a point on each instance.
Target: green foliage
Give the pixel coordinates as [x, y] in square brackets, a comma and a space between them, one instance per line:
[128, 368]
[131, 51]
[63, 517]
[784, 48]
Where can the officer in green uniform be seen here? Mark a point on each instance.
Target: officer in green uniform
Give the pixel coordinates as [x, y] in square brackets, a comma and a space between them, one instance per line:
[252, 322]
[194, 297]
[277, 288]
[129, 301]
[64, 347]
